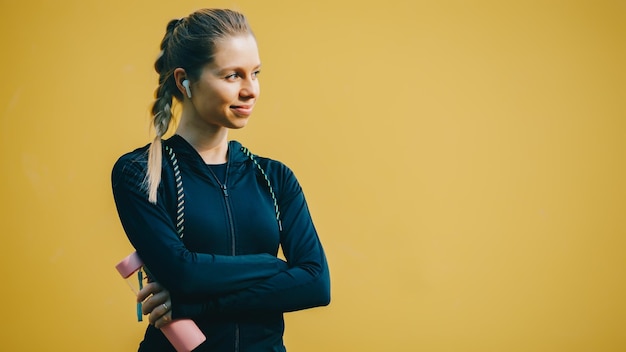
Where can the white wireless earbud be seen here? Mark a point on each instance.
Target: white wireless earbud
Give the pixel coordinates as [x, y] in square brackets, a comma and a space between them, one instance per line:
[186, 85]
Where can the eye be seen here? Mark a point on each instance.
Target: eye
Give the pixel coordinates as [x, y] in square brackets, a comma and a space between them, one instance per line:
[256, 73]
[232, 77]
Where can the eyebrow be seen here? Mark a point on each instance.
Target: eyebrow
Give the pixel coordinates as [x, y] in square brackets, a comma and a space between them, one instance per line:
[235, 68]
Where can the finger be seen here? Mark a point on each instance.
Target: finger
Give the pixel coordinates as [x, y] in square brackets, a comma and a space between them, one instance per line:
[147, 290]
[156, 299]
[161, 314]
[163, 320]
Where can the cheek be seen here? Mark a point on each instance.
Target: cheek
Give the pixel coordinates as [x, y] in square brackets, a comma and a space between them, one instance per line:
[225, 95]
[213, 103]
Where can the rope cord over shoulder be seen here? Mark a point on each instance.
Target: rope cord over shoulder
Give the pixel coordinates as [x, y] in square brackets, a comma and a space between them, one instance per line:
[247, 152]
[180, 194]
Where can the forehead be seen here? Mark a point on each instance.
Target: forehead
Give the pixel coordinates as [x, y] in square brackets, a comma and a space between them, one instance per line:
[238, 51]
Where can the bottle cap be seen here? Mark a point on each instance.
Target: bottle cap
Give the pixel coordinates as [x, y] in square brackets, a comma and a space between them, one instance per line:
[129, 265]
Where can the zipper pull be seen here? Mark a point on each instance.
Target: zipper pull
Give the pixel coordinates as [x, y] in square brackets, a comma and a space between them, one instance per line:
[225, 190]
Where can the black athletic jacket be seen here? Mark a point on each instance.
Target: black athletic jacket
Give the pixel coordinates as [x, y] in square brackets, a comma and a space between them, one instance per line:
[223, 273]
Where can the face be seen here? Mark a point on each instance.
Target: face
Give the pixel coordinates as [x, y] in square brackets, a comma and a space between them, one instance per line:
[225, 93]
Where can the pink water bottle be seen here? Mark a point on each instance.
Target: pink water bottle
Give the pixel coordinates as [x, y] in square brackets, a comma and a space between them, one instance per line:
[183, 334]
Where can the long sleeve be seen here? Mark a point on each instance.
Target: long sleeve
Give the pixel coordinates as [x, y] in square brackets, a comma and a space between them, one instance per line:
[152, 232]
[304, 285]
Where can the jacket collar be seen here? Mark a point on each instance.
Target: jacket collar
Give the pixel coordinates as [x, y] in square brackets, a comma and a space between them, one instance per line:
[186, 153]
[185, 150]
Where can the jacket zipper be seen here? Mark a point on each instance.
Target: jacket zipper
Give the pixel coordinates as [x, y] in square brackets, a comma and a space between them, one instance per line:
[231, 225]
[233, 242]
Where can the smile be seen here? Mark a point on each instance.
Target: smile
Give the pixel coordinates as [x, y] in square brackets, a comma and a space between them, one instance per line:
[244, 110]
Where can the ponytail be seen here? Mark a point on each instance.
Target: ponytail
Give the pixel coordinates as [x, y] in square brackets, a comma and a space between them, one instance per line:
[162, 118]
[161, 113]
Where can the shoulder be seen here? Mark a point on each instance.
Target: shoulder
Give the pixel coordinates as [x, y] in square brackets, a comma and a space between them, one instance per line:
[131, 165]
[271, 167]
[277, 173]
[275, 167]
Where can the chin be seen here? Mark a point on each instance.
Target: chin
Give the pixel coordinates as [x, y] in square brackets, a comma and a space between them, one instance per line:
[236, 125]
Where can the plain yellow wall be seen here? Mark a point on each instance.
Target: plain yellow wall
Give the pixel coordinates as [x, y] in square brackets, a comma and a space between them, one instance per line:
[465, 163]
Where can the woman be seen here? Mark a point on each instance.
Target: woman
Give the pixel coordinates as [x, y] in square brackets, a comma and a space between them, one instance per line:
[207, 216]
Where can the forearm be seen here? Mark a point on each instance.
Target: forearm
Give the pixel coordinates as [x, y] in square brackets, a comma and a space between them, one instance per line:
[298, 288]
[195, 275]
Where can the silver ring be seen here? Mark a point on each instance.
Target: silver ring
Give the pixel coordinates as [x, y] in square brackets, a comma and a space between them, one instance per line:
[165, 306]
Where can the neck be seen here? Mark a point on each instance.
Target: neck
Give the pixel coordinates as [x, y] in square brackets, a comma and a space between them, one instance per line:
[210, 143]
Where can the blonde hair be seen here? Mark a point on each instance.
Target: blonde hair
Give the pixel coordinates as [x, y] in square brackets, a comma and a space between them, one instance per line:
[189, 43]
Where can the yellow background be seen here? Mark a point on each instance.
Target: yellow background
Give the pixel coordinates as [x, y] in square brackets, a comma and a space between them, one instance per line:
[465, 163]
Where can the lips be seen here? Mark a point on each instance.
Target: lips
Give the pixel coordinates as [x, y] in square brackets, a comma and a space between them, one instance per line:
[244, 110]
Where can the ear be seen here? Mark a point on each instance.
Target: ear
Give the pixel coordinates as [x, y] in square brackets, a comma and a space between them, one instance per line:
[179, 76]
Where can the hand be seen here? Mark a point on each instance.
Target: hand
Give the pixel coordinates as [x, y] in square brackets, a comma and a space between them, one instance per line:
[156, 302]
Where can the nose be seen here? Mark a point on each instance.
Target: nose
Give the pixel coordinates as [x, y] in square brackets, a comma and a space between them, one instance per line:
[249, 88]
